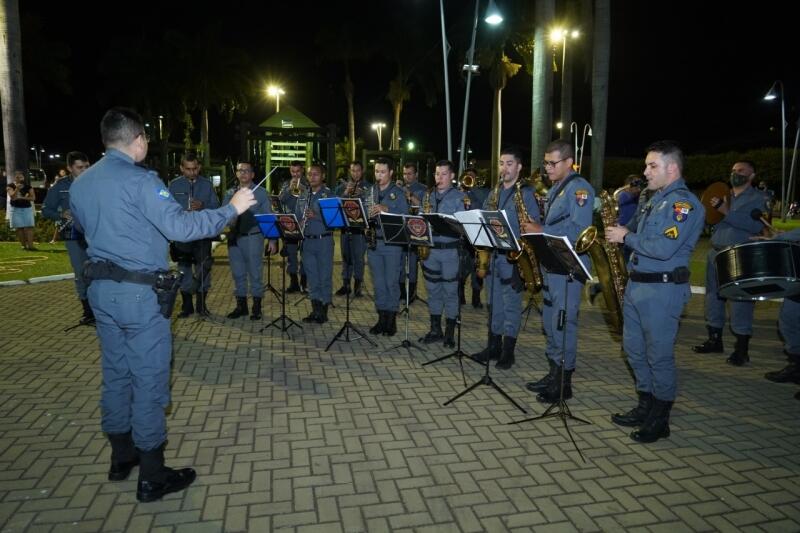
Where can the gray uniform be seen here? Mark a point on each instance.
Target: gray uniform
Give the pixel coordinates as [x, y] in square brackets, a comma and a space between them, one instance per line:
[506, 296]
[568, 213]
[197, 253]
[353, 244]
[55, 203]
[317, 248]
[289, 203]
[441, 268]
[385, 261]
[127, 215]
[664, 241]
[789, 315]
[736, 227]
[246, 248]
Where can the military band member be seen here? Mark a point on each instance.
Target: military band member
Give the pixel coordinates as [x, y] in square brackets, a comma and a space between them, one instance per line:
[568, 212]
[288, 198]
[440, 269]
[505, 283]
[56, 207]
[352, 240]
[317, 248]
[658, 288]
[194, 192]
[414, 191]
[384, 260]
[476, 197]
[246, 245]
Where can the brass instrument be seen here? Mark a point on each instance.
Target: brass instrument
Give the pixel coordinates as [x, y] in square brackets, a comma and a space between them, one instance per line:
[482, 256]
[607, 259]
[296, 188]
[307, 199]
[353, 189]
[370, 234]
[467, 181]
[423, 252]
[525, 258]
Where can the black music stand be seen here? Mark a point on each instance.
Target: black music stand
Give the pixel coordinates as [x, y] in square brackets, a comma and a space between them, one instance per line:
[406, 231]
[280, 226]
[557, 256]
[488, 229]
[275, 292]
[335, 216]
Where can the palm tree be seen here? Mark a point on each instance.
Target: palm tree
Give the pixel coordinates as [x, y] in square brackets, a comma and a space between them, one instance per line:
[15, 132]
[541, 120]
[602, 52]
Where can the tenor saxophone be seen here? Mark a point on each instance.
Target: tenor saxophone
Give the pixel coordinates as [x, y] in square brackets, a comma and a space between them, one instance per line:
[370, 234]
[525, 258]
[423, 252]
[608, 261]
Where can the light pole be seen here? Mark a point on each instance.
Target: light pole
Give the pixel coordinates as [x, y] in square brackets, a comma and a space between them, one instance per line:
[772, 94]
[493, 17]
[378, 126]
[560, 35]
[586, 129]
[277, 92]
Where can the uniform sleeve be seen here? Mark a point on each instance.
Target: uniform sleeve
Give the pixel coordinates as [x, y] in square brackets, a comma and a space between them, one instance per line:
[742, 217]
[663, 235]
[531, 205]
[581, 203]
[50, 205]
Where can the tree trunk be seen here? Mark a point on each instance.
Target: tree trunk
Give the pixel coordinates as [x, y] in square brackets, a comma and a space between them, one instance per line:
[600, 67]
[349, 93]
[566, 92]
[497, 134]
[398, 109]
[204, 141]
[542, 113]
[15, 133]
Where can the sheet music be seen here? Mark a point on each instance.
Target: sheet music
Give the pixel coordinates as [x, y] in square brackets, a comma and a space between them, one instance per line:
[560, 245]
[473, 222]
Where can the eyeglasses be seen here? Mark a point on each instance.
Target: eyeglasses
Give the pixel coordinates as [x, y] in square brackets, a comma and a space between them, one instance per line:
[548, 164]
[244, 170]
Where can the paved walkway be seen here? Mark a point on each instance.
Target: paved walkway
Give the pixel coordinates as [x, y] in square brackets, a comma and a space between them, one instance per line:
[288, 437]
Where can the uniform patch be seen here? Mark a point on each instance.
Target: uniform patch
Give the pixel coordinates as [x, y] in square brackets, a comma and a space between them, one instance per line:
[392, 196]
[671, 233]
[680, 211]
[163, 193]
[581, 195]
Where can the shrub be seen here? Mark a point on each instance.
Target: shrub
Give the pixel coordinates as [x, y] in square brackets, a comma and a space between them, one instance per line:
[43, 231]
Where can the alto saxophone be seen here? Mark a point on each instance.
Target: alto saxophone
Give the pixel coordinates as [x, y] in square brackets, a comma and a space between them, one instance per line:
[525, 259]
[607, 258]
[370, 234]
[423, 252]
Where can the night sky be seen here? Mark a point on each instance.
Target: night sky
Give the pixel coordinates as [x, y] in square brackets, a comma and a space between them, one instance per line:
[691, 71]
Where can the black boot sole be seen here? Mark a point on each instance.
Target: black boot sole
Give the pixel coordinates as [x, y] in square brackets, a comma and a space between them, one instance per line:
[150, 492]
[649, 438]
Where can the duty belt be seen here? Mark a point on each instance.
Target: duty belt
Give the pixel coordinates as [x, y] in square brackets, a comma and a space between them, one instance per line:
[320, 236]
[677, 276]
[112, 271]
[445, 245]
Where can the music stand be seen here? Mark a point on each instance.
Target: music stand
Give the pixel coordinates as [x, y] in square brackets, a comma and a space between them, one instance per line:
[406, 231]
[339, 213]
[269, 286]
[488, 229]
[280, 226]
[557, 256]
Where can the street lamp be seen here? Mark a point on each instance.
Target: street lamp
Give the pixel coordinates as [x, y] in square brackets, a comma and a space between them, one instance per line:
[493, 17]
[378, 126]
[772, 94]
[559, 35]
[277, 92]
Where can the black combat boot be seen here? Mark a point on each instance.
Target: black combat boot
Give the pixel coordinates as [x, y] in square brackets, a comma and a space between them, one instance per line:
[315, 310]
[202, 298]
[391, 323]
[123, 456]
[656, 425]
[553, 391]
[740, 357]
[449, 333]
[507, 357]
[293, 285]
[241, 308]
[713, 344]
[476, 299]
[492, 350]
[322, 315]
[789, 374]
[542, 384]
[380, 325]
[357, 289]
[186, 307]
[636, 416]
[255, 313]
[344, 289]
[435, 334]
[88, 314]
[157, 480]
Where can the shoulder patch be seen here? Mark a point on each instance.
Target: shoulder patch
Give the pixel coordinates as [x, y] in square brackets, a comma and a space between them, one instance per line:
[581, 195]
[680, 211]
[671, 233]
[163, 193]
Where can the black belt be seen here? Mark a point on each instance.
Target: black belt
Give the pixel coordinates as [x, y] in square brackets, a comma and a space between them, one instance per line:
[446, 245]
[109, 270]
[677, 276]
[320, 236]
[257, 232]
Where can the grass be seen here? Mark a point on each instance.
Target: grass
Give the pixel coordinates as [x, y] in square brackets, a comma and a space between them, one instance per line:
[16, 263]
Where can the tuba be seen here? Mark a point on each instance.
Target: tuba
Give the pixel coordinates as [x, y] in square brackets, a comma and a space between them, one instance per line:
[423, 252]
[607, 259]
[525, 259]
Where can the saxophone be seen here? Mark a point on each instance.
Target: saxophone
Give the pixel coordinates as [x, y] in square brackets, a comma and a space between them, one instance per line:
[424, 251]
[370, 234]
[608, 261]
[525, 258]
[482, 256]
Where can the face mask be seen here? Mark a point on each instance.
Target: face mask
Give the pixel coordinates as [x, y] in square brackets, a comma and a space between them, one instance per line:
[737, 180]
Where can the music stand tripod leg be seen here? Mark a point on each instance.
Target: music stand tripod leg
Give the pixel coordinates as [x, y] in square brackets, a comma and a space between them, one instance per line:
[347, 326]
[405, 343]
[283, 318]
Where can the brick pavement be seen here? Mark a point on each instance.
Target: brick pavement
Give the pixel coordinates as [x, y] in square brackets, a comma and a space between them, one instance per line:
[288, 437]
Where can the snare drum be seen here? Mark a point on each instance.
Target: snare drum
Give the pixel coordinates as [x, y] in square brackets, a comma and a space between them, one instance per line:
[759, 270]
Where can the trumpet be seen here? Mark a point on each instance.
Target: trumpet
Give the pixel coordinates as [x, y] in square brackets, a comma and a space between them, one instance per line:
[467, 181]
[296, 188]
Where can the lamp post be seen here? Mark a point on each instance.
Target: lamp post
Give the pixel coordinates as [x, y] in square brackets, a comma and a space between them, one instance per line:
[493, 17]
[560, 35]
[378, 126]
[277, 92]
[586, 129]
[772, 94]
